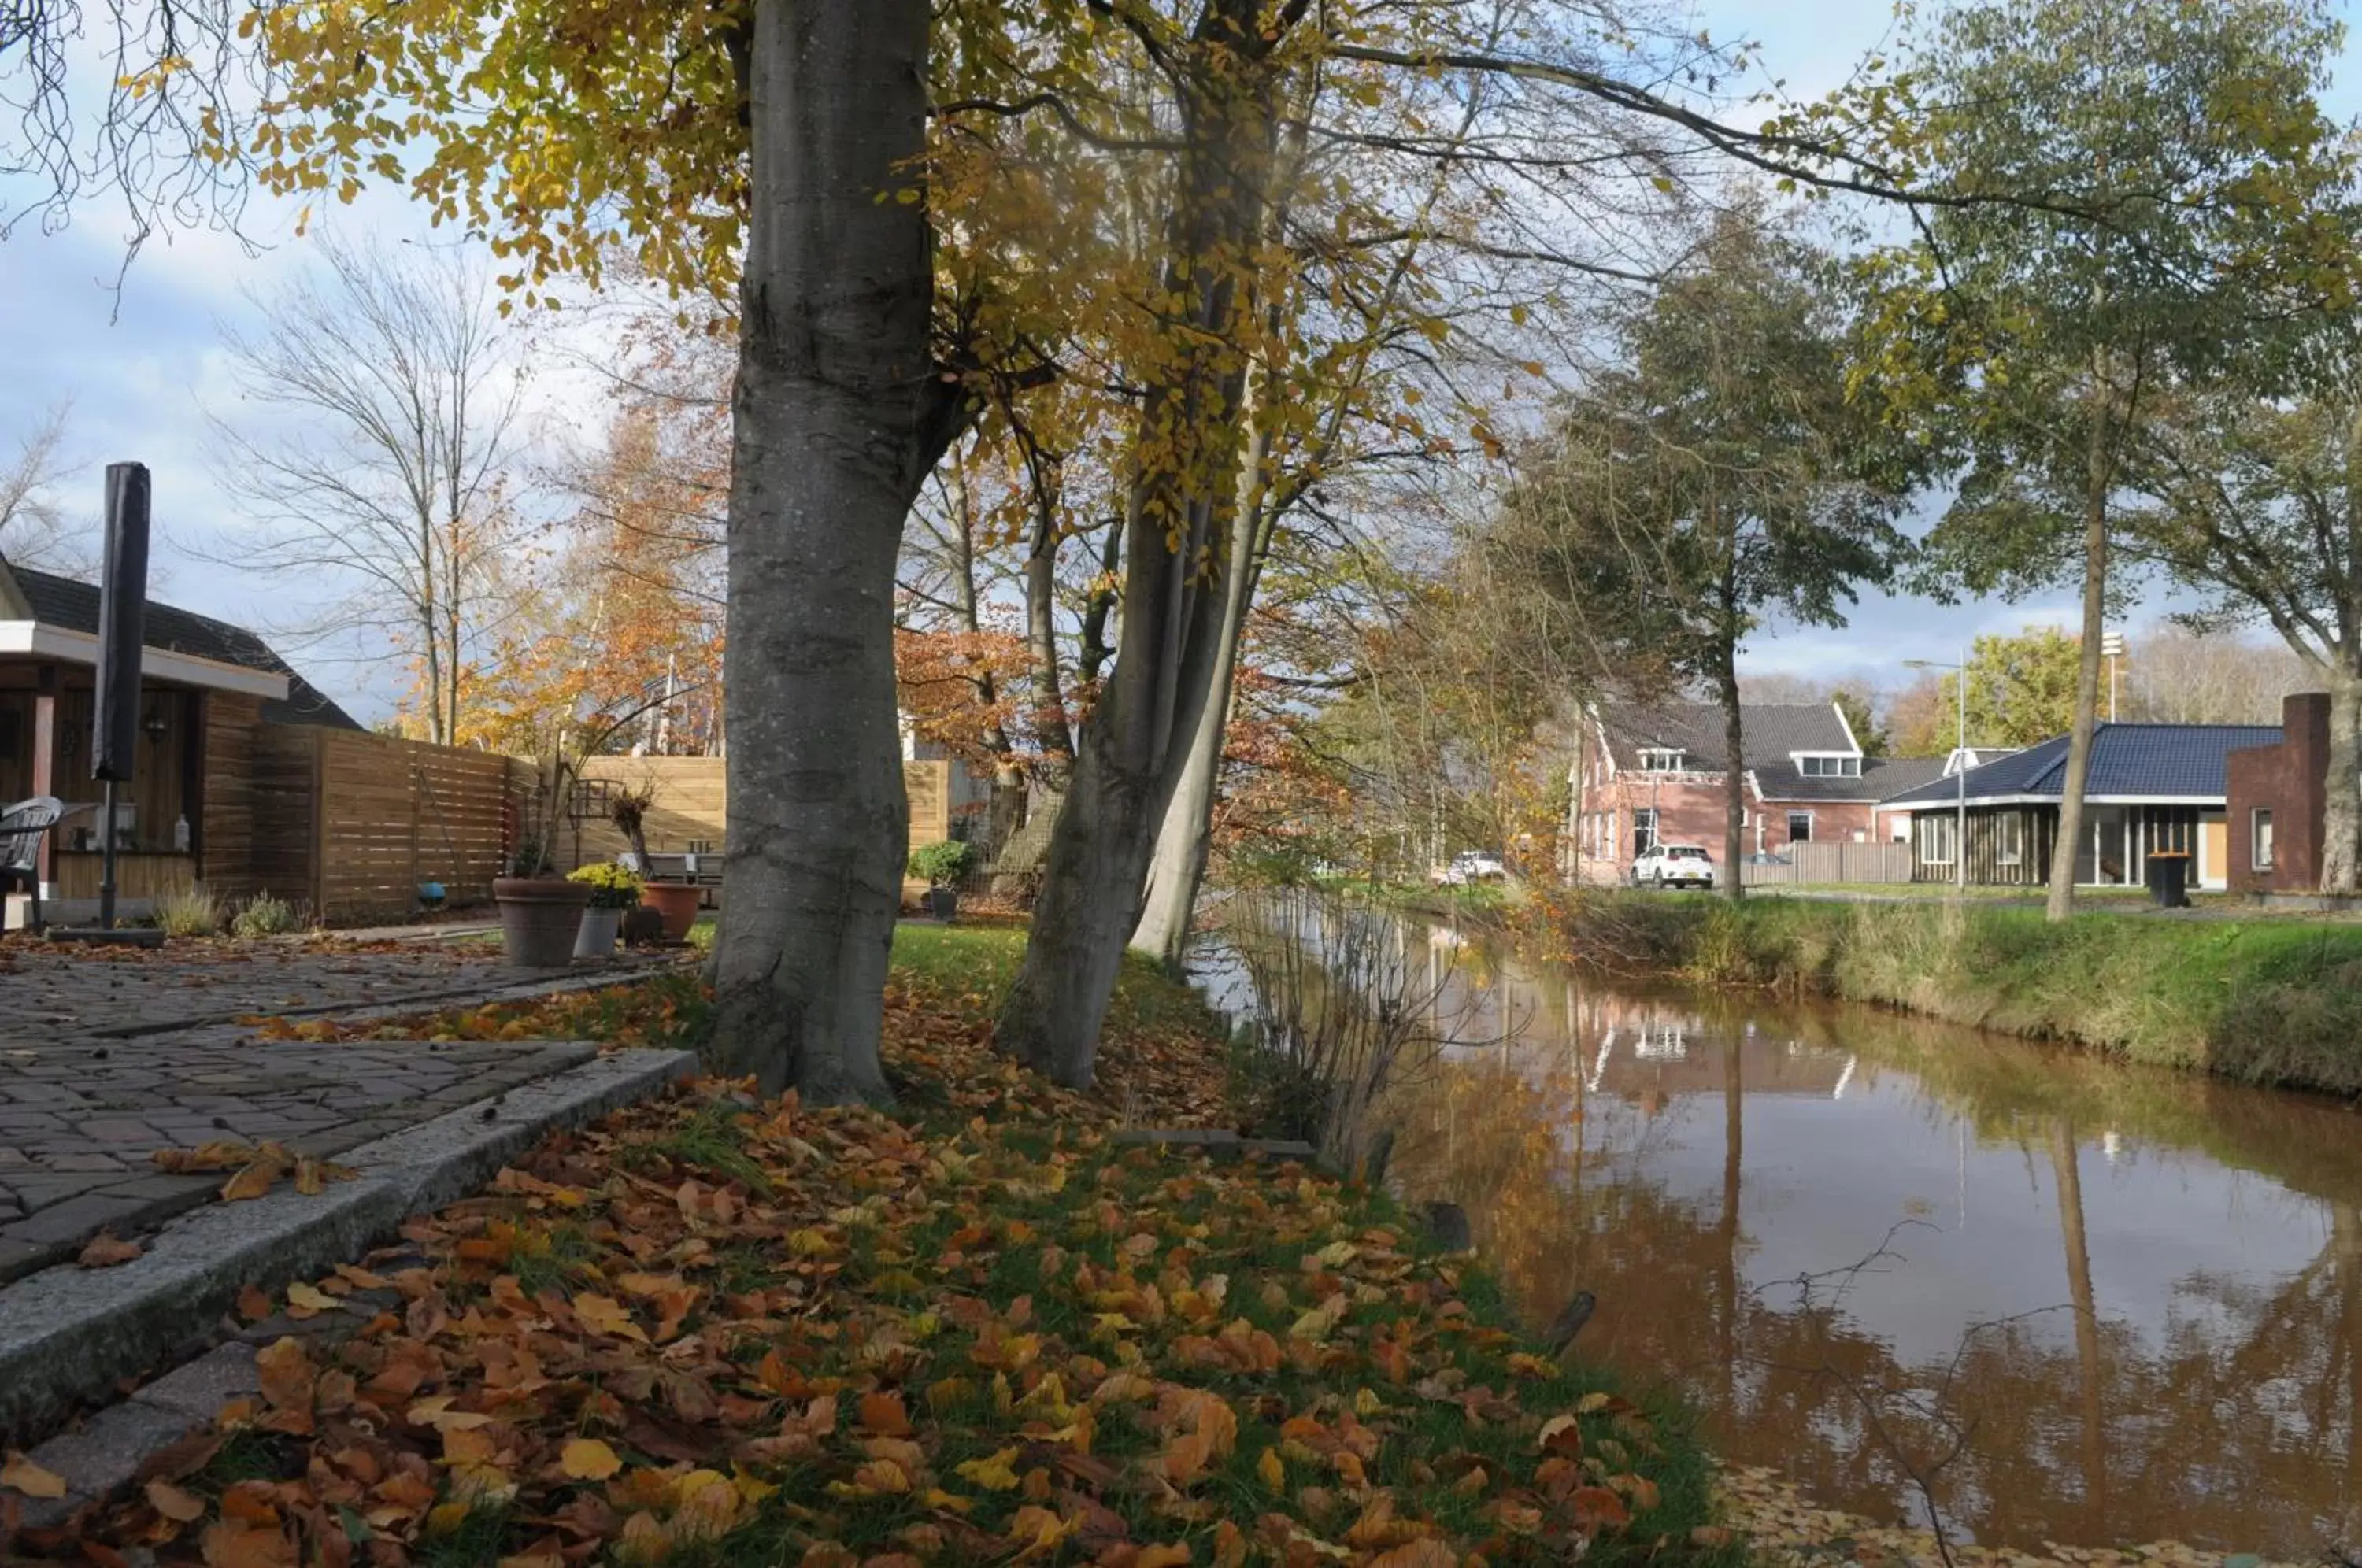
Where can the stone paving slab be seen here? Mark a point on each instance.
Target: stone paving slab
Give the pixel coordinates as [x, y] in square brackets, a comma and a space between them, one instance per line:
[104, 1060]
[68, 1335]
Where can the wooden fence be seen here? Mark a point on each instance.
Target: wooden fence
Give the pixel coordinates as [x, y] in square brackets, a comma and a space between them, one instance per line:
[1824, 864]
[354, 822]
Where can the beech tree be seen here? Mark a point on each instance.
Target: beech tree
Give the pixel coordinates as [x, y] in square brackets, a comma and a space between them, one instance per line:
[1716, 477]
[770, 168]
[2190, 160]
[2254, 505]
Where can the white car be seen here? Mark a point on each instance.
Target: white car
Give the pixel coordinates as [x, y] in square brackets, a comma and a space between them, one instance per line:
[1472, 866]
[1674, 866]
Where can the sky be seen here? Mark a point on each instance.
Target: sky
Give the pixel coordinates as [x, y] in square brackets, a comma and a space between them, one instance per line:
[142, 364]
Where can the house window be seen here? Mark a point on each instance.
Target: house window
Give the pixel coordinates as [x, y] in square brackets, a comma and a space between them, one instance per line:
[1664, 759]
[1644, 831]
[2009, 839]
[1829, 766]
[2260, 839]
[1938, 840]
[1800, 827]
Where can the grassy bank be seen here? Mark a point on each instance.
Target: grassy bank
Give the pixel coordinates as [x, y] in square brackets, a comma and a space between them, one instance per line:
[2270, 1001]
[719, 1332]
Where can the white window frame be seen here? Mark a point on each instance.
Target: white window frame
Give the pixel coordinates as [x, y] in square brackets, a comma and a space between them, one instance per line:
[1826, 764]
[1939, 839]
[2009, 839]
[2263, 845]
[1808, 827]
[1664, 759]
[1655, 830]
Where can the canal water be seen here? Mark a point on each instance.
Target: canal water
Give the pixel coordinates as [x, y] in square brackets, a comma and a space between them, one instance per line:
[1926, 1271]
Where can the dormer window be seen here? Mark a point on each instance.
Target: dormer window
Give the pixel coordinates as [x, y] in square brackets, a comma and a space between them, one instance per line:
[1664, 759]
[1829, 766]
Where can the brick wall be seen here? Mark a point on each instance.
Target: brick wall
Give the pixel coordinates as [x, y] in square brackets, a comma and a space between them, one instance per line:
[2287, 780]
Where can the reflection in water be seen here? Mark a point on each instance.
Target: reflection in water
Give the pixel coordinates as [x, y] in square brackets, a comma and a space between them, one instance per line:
[1931, 1273]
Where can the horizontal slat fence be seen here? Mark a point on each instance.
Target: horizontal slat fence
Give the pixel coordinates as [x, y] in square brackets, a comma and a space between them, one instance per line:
[354, 822]
[1825, 863]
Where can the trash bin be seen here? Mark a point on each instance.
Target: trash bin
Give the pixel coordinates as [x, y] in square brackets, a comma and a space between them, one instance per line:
[2168, 880]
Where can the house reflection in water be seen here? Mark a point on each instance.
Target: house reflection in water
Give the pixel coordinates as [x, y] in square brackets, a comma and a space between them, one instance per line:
[1854, 1238]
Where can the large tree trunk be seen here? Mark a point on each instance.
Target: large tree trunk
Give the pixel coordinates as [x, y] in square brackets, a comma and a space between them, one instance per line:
[2340, 814]
[1177, 866]
[2098, 472]
[838, 416]
[1126, 767]
[1179, 512]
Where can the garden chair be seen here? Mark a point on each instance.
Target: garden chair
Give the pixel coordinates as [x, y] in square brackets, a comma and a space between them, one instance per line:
[21, 828]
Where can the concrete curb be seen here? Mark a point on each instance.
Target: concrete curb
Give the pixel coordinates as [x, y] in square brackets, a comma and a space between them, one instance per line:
[67, 1334]
[524, 989]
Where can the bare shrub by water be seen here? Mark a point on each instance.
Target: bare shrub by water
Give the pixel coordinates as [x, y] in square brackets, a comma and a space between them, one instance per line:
[1344, 1006]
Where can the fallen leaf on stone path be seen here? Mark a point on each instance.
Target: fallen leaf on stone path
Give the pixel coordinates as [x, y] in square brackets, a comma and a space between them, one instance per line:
[254, 1179]
[308, 1300]
[22, 1475]
[253, 1304]
[313, 1175]
[221, 1154]
[104, 1250]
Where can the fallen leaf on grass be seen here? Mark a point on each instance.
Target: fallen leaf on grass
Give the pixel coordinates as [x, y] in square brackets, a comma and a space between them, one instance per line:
[174, 1503]
[587, 1459]
[22, 1475]
[104, 1250]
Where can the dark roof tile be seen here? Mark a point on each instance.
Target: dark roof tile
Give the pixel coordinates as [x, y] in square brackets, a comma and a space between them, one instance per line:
[1770, 731]
[2128, 761]
[61, 602]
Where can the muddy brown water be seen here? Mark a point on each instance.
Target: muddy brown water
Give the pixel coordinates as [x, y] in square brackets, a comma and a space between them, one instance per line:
[1924, 1270]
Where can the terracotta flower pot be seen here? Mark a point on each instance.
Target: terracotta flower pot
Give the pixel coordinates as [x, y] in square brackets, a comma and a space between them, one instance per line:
[676, 902]
[541, 917]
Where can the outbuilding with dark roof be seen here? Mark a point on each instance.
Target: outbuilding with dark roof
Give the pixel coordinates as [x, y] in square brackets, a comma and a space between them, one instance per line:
[207, 689]
[2152, 790]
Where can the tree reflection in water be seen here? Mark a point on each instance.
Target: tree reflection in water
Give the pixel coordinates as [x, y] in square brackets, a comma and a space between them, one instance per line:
[2123, 1305]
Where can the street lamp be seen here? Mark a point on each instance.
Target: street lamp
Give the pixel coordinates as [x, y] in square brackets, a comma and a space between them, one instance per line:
[2112, 648]
[1960, 765]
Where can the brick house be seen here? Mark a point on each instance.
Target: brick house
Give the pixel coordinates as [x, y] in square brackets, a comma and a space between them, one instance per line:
[2275, 800]
[1655, 775]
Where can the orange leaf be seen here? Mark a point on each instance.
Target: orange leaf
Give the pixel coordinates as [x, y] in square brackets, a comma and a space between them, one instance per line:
[179, 1506]
[252, 1181]
[1596, 1506]
[230, 1545]
[104, 1250]
[22, 1475]
[884, 1414]
[286, 1374]
[605, 1315]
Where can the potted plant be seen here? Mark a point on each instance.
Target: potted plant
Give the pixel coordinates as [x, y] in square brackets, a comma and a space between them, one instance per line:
[614, 890]
[942, 867]
[541, 911]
